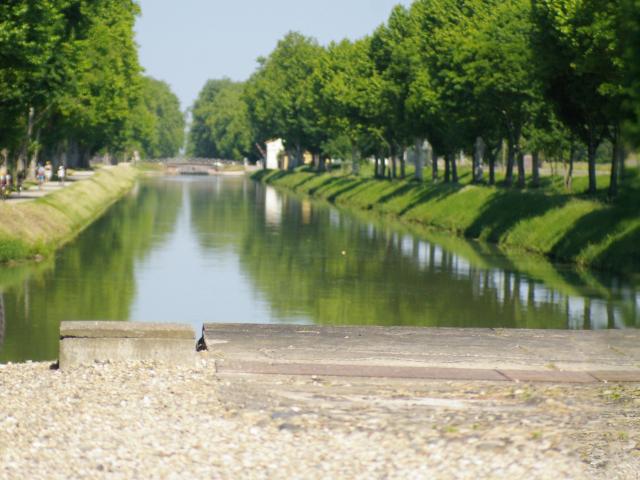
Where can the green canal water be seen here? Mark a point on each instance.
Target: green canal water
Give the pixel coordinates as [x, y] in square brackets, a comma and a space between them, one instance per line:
[195, 250]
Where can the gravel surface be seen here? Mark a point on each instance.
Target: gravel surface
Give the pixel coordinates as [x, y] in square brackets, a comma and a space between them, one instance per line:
[149, 421]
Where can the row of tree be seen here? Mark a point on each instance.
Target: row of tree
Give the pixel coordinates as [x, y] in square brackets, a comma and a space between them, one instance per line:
[548, 77]
[71, 86]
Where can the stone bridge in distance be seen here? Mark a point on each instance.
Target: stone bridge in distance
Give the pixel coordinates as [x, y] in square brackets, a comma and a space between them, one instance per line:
[196, 166]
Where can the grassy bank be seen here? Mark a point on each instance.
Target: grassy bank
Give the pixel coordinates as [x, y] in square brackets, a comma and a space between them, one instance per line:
[563, 226]
[41, 226]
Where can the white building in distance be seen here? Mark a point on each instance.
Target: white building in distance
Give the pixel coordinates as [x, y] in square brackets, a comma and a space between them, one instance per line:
[274, 149]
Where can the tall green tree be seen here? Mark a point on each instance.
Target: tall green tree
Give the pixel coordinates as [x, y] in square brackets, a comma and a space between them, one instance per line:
[580, 63]
[221, 127]
[200, 142]
[630, 39]
[107, 81]
[393, 53]
[349, 96]
[279, 95]
[436, 91]
[33, 44]
[496, 58]
[70, 76]
[158, 122]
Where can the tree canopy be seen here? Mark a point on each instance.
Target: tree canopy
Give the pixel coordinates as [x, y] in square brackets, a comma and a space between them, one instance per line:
[465, 75]
[71, 85]
[220, 123]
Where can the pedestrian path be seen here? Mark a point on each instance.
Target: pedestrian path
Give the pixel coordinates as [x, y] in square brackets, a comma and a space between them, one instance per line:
[48, 188]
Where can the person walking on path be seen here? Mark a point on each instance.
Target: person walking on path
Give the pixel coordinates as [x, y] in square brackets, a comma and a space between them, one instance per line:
[40, 175]
[4, 186]
[61, 174]
[48, 171]
[20, 181]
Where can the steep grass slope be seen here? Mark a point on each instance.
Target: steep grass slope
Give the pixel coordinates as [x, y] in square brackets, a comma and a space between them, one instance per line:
[41, 226]
[565, 227]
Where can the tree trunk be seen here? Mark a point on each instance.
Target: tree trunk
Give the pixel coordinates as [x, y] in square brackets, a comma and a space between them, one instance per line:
[535, 169]
[427, 158]
[403, 161]
[84, 157]
[73, 154]
[522, 174]
[299, 156]
[478, 156]
[355, 161]
[474, 162]
[319, 162]
[592, 149]
[434, 166]
[511, 153]
[622, 155]
[24, 153]
[492, 165]
[419, 160]
[33, 160]
[447, 168]
[568, 181]
[615, 163]
[394, 166]
[293, 158]
[454, 169]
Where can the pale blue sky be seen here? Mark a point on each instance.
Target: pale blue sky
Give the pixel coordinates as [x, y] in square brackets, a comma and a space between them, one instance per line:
[187, 42]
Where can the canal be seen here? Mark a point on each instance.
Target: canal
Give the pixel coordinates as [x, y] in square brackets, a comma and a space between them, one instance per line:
[223, 249]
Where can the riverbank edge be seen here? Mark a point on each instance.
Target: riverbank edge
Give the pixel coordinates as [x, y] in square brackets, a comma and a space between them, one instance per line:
[579, 231]
[36, 229]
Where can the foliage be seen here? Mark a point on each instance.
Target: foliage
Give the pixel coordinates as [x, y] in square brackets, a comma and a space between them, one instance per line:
[630, 33]
[220, 125]
[71, 85]
[538, 75]
[158, 122]
[579, 60]
[280, 98]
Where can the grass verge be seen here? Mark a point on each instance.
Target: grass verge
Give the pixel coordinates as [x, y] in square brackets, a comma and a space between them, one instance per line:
[566, 227]
[39, 227]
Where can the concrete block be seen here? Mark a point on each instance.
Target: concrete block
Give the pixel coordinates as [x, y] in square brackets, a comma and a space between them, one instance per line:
[84, 343]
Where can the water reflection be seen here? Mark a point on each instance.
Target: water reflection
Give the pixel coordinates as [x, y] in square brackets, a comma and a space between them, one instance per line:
[341, 270]
[91, 279]
[229, 250]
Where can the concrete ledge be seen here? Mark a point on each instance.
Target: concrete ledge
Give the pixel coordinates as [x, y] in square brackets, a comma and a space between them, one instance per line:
[97, 329]
[84, 343]
[536, 356]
